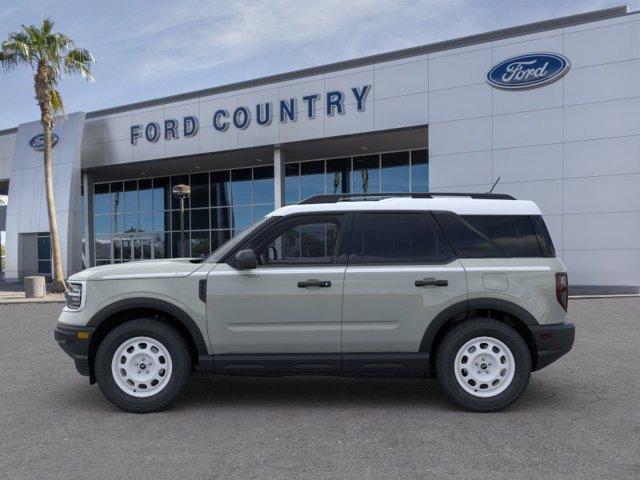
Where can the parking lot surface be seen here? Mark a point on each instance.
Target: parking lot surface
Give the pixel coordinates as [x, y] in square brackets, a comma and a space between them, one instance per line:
[579, 418]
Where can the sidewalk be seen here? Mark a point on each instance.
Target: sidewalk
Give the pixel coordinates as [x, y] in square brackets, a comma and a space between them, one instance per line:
[12, 293]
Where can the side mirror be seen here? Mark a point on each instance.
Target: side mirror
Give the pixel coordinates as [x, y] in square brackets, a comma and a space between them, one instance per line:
[246, 260]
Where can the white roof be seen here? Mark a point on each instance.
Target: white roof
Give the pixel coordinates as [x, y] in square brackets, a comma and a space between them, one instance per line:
[459, 205]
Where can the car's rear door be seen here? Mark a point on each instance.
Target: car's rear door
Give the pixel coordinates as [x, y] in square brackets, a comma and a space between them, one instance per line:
[401, 274]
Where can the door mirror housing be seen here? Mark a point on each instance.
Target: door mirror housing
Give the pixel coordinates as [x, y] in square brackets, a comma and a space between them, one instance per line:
[246, 259]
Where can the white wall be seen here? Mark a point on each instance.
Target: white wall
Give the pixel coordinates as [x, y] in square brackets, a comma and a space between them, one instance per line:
[27, 208]
[6, 154]
[572, 146]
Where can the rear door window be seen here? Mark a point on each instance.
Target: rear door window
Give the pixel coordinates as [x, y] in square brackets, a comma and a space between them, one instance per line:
[399, 238]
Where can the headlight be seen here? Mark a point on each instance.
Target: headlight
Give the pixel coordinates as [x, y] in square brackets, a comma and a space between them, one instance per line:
[74, 296]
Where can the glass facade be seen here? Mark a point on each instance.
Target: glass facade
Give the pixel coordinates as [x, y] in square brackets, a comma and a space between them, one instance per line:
[140, 219]
[397, 172]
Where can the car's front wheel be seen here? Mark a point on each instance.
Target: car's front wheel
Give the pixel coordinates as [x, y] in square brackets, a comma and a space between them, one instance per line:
[143, 365]
[483, 365]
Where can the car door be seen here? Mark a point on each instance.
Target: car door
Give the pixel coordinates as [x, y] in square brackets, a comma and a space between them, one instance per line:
[291, 303]
[401, 274]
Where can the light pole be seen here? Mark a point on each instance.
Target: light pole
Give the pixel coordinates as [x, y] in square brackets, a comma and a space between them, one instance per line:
[181, 192]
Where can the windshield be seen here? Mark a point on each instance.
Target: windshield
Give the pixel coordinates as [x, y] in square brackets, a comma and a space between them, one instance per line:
[230, 244]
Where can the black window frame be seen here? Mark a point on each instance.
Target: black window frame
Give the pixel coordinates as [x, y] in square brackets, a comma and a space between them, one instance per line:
[280, 225]
[355, 251]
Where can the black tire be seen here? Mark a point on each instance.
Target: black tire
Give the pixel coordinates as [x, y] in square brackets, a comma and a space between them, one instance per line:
[456, 338]
[177, 348]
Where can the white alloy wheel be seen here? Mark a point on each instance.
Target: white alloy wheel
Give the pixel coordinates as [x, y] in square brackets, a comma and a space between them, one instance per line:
[484, 367]
[141, 367]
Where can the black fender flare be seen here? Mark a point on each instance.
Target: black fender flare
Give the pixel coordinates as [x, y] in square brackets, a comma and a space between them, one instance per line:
[156, 304]
[463, 307]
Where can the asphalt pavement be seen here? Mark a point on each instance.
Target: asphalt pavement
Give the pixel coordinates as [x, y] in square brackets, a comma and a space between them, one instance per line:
[579, 418]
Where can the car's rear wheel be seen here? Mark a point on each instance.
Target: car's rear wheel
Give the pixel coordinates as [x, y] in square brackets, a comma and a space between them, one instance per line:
[483, 365]
[143, 365]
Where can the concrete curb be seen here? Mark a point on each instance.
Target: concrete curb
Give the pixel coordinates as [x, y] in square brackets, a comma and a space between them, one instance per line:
[15, 300]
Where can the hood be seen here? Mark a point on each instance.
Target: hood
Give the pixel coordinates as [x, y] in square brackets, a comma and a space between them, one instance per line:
[166, 268]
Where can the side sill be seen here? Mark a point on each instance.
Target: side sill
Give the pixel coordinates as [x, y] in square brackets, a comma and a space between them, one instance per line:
[382, 364]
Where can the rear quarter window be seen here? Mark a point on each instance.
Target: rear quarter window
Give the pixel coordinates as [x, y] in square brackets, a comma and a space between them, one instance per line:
[494, 236]
[514, 234]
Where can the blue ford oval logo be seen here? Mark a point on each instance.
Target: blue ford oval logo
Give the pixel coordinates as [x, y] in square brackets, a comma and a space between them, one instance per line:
[37, 142]
[528, 71]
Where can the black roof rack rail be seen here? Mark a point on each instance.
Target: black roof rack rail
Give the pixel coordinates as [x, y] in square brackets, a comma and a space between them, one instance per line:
[350, 197]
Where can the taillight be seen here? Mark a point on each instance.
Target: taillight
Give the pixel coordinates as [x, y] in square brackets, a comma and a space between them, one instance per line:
[562, 289]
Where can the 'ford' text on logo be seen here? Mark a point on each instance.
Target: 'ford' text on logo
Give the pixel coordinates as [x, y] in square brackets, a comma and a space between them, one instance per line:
[37, 142]
[528, 71]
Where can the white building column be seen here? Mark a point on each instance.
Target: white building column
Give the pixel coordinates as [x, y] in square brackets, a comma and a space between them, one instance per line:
[278, 177]
[87, 206]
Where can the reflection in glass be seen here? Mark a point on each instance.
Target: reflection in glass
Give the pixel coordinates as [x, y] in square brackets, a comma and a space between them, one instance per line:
[130, 222]
[420, 171]
[175, 220]
[146, 222]
[242, 217]
[200, 219]
[116, 197]
[366, 174]
[395, 172]
[102, 247]
[311, 179]
[219, 237]
[260, 211]
[200, 190]
[263, 185]
[160, 221]
[131, 196]
[338, 176]
[220, 218]
[177, 180]
[291, 183]
[199, 244]
[145, 195]
[241, 190]
[101, 198]
[102, 224]
[220, 189]
[161, 194]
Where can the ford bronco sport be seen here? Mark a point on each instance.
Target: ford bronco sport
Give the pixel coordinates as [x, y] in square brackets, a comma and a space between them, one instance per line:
[463, 287]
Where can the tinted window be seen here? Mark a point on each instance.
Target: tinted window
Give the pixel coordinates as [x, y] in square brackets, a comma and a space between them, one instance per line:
[514, 234]
[466, 240]
[546, 245]
[399, 238]
[312, 241]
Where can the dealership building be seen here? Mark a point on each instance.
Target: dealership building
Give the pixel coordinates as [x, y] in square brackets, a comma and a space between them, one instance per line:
[551, 109]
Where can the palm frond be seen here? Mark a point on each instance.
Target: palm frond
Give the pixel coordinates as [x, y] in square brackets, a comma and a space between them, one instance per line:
[56, 102]
[78, 61]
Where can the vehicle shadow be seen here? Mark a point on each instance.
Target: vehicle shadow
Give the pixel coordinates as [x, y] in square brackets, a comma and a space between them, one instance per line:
[302, 391]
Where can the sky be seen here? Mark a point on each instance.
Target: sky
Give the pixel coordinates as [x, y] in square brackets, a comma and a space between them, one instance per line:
[149, 49]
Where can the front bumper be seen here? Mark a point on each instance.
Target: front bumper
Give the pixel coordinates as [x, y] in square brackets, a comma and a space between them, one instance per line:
[552, 342]
[75, 342]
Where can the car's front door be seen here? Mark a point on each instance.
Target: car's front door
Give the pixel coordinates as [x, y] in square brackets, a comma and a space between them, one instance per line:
[291, 303]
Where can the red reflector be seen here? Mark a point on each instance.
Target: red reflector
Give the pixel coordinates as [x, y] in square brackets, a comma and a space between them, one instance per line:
[545, 336]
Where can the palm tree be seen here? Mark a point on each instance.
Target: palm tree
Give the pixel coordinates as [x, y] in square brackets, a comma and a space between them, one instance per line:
[49, 54]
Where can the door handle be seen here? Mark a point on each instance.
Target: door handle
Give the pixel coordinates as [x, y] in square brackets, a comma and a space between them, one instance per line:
[314, 283]
[428, 282]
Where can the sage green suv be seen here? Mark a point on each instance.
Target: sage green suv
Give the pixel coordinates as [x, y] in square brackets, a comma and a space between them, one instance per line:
[463, 287]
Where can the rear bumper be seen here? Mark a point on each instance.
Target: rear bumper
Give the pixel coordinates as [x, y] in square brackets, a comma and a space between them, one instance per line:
[77, 348]
[552, 342]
